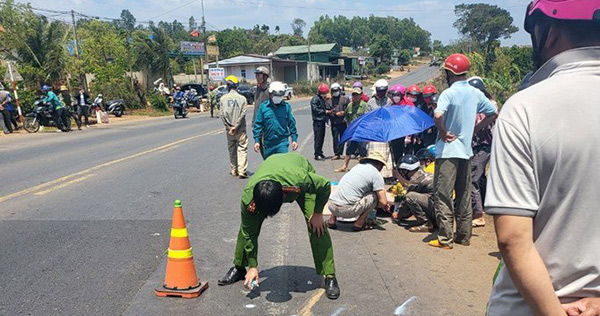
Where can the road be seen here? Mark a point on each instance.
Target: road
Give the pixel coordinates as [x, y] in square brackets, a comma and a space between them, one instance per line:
[85, 220]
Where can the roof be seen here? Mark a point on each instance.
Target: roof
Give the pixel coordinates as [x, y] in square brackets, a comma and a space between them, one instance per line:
[250, 59]
[302, 49]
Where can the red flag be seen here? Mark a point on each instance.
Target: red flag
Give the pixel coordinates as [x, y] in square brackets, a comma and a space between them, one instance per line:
[195, 33]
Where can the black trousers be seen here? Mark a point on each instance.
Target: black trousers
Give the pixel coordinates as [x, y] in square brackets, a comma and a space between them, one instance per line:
[397, 146]
[337, 130]
[62, 122]
[319, 130]
[6, 119]
[83, 110]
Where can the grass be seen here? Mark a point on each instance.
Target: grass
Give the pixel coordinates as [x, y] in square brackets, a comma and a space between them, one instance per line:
[149, 111]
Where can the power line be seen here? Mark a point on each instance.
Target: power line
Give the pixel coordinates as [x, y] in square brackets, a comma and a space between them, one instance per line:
[176, 8]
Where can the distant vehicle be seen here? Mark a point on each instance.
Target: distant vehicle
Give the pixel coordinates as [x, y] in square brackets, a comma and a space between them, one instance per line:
[434, 62]
[289, 92]
[200, 88]
[350, 77]
[243, 89]
[247, 92]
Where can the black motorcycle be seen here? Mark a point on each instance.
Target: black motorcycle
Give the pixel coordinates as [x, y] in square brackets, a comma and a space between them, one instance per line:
[42, 115]
[116, 107]
[180, 108]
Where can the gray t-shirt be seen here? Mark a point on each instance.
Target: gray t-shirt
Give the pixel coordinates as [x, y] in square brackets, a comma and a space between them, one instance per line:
[544, 165]
[358, 182]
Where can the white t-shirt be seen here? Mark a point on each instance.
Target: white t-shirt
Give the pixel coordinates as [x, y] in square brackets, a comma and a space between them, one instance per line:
[545, 165]
[357, 183]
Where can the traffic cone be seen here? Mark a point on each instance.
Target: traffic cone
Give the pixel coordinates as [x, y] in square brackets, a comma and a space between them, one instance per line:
[181, 279]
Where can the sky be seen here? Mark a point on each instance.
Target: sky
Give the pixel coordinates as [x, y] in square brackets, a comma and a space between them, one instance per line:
[436, 16]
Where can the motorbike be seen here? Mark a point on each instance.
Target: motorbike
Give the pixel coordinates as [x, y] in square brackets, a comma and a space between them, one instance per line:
[193, 99]
[180, 108]
[115, 107]
[43, 116]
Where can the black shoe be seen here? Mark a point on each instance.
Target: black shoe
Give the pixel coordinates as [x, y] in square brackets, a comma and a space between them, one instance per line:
[318, 158]
[332, 290]
[233, 275]
[322, 157]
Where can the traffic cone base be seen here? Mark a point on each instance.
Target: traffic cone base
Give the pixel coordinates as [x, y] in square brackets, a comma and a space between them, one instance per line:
[191, 293]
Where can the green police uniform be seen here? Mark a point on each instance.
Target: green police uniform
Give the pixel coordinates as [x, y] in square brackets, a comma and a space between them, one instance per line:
[301, 184]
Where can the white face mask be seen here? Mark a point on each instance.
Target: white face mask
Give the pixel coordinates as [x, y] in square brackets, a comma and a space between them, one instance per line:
[336, 94]
[413, 100]
[277, 99]
[397, 99]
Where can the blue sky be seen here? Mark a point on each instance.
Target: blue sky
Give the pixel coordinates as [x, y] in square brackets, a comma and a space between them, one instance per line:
[435, 16]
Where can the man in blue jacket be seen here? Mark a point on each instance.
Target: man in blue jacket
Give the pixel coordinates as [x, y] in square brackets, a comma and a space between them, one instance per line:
[275, 124]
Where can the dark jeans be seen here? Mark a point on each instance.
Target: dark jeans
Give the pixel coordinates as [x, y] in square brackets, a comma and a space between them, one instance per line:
[353, 147]
[61, 120]
[481, 156]
[13, 118]
[6, 122]
[453, 174]
[83, 110]
[337, 130]
[319, 130]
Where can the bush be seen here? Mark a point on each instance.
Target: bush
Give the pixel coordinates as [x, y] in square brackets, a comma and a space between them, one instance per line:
[26, 98]
[382, 68]
[305, 88]
[159, 102]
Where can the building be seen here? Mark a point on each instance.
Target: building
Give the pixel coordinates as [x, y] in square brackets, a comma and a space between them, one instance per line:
[243, 66]
[323, 60]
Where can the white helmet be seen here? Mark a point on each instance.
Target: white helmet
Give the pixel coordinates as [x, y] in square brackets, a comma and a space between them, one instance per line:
[336, 86]
[381, 84]
[277, 88]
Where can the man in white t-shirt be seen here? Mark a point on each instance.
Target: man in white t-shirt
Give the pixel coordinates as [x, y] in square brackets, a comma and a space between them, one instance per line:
[360, 191]
[543, 181]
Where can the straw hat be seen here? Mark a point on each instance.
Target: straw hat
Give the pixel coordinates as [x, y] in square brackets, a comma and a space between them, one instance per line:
[64, 88]
[377, 156]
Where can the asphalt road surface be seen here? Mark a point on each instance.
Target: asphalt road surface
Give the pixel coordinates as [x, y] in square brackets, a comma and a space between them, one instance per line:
[85, 222]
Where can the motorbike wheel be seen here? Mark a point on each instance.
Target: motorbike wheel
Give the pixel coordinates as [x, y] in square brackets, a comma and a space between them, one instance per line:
[119, 111]
[31, 125]
[184, 115]
[175, 114]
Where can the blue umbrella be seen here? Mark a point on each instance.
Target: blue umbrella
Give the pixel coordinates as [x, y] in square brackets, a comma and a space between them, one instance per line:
[387, 123]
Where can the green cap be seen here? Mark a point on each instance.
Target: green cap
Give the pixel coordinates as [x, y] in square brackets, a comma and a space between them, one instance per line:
[177, 203]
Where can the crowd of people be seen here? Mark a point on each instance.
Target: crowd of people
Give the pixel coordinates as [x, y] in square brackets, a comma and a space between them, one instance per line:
[540, 191]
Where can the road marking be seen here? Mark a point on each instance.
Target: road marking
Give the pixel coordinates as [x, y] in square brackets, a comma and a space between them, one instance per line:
[104, 165]
[306, 310]
[64, 184]
[45, 185]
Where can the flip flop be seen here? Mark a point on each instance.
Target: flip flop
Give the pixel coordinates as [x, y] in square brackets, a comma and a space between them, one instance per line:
[421, 229]
[364, 227]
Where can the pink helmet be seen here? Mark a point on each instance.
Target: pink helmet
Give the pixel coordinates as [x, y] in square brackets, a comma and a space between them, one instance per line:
[357, 84]
[567, 9]
[400, 89]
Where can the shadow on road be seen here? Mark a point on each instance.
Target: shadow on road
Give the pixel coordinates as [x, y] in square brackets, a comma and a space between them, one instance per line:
[280, 282]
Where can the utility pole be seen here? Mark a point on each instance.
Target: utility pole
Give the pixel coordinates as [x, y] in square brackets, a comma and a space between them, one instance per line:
[203, 26]
[310, 79]
[82, 79]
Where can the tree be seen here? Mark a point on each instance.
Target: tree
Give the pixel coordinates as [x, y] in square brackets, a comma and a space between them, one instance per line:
[277, 29]
[485, 24]
[265, 29]
[192, 24]
[382, 48]
[298, 26]
[127, 21]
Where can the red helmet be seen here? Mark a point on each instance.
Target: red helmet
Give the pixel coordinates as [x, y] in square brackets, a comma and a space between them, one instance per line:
[211, 88]
[429, 91]
[457, 64]
[414, 90]
[323, 88]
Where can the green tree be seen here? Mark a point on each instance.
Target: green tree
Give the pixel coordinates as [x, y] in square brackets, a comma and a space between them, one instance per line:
[298, 26]
[277, 29]
[192, 24]
[404, 56]
[381, 48]
[486, 24]
[127, 21]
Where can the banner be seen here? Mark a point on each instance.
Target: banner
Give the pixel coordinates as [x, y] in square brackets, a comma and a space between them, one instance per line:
[216, 74]
[192, 48]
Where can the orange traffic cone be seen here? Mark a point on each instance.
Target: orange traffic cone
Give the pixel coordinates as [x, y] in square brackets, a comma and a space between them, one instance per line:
[181, 279]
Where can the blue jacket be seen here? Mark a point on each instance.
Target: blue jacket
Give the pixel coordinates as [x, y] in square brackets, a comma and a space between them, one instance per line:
[275, 123]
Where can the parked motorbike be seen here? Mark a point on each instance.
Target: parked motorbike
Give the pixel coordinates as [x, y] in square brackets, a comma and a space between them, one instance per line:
[180, 108]
[42, 116]
[115, 107]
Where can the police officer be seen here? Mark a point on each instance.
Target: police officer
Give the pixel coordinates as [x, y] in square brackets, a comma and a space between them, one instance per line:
[262, 86]
[275, 124]
[233, 114]
[283, 178]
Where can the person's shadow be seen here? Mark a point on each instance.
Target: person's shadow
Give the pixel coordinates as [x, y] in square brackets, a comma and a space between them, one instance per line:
[280, 282]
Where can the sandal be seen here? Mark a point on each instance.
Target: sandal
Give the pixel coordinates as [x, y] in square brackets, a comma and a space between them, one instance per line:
[341, 170]
[421, 229]
[361, 228]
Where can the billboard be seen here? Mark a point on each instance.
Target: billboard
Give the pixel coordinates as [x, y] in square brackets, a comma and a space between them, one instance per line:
[192, 48]
[216, 74]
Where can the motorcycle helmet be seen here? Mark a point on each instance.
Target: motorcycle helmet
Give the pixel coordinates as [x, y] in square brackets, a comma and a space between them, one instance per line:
[323, 88]
[477, 82]
[46, 88]
[381, 84]
[458, 64]
[429, 91]
[409, 162]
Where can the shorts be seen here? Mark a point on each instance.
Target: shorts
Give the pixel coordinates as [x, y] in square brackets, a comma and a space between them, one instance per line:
[352, 147]
[366, 204]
